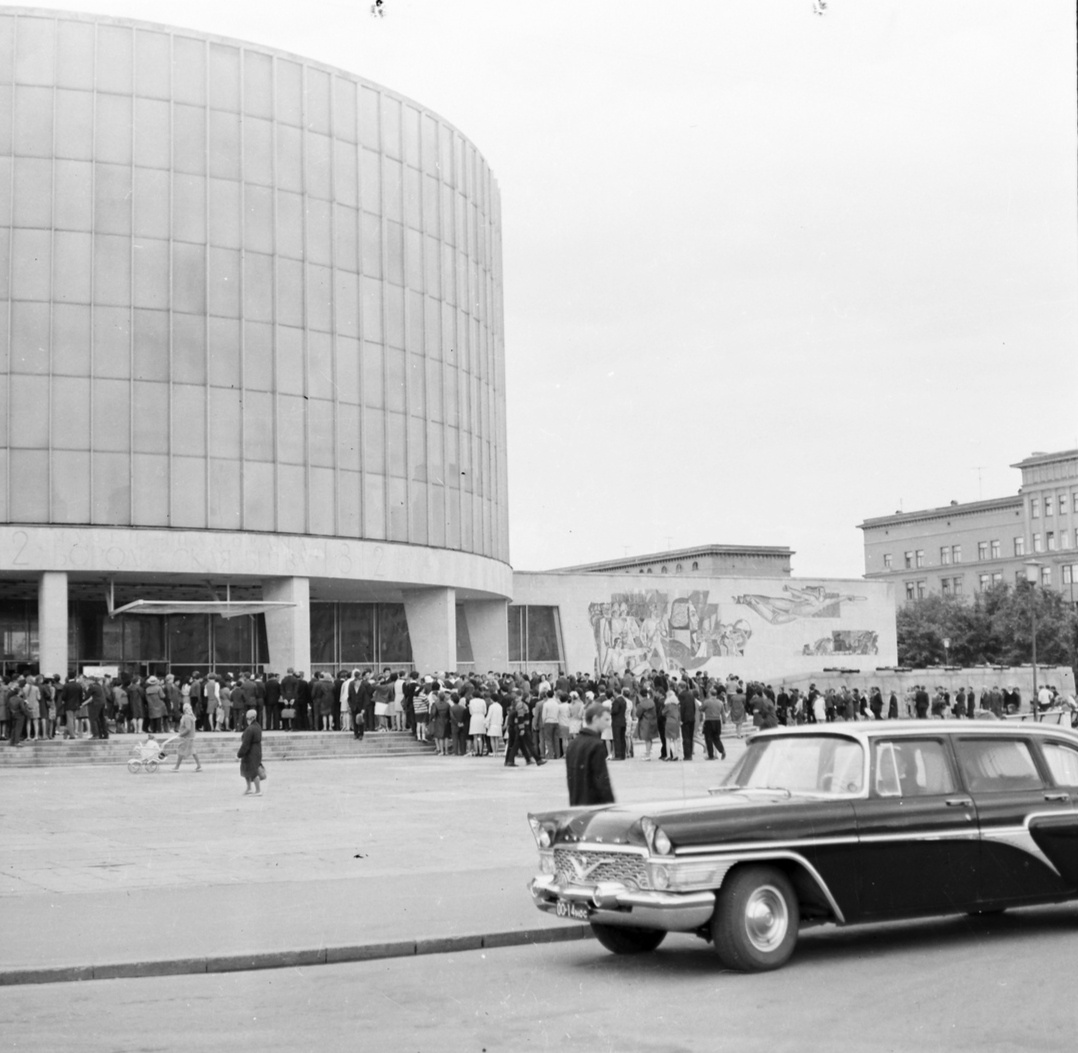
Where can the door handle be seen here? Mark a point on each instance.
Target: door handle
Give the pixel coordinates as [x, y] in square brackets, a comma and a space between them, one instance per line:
[1060, 796]
[958, 802]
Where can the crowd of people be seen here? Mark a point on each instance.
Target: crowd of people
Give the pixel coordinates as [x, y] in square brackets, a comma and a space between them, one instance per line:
[508, 715]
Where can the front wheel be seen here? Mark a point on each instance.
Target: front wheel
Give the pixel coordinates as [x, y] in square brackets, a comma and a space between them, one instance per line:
[621, 940]
[150, 766]
[754, 927]
[134, 766]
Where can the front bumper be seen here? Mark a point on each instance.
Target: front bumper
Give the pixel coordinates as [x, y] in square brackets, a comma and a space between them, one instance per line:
[615, 904]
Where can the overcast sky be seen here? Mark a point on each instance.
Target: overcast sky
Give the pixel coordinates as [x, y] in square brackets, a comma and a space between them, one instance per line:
[766, 273]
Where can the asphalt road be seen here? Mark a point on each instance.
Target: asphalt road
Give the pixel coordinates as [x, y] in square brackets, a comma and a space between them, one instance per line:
[1000, 984]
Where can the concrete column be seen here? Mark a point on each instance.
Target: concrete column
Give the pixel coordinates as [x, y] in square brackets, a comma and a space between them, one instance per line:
[432, 627]
[52, 623]
[289, 628]
[488, 630]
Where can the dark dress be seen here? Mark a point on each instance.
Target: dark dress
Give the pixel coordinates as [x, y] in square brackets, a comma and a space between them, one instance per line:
[438, 727]
[250, 751]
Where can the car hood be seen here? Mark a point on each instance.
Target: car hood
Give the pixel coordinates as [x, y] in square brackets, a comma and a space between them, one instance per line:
[737, 816]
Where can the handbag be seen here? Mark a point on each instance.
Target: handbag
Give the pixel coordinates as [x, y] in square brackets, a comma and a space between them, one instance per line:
[262, 772]
[288, 713]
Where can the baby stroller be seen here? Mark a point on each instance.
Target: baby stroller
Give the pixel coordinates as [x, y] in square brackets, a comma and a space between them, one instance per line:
[146, 756]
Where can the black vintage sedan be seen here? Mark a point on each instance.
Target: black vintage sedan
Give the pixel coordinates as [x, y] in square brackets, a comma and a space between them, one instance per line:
[841, 823]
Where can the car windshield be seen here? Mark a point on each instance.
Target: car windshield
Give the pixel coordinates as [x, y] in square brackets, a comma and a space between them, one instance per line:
[817, 764]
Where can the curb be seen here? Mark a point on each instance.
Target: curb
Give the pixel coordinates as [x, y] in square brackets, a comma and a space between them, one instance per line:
[224, 963]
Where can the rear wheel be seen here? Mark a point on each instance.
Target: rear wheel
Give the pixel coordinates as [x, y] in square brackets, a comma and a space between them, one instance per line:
[150, 766]
[621, 940]
[754, 927]
[134, 766]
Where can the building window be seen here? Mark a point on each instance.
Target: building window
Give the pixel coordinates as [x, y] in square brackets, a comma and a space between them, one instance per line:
[663, 571]
[534, 634]
[1038, 543]
[1050, 537]
[1074, 501]
[1019, 577]
[920, 557]
[1064, 539]
[945, 555]
[909, 560]
[649, 570]
[995, 549]
[983, 581]
[1048, 509]
[997, 577]
[910, 591]
[695, 565]
[1035, 508]
[887, 561]
[1062, 506]
[945, 586]
[958, 586]
[982, 550]
[1019, 546]
[1068, 573]
[956, 553]
[922, 589]
[1046, 575]
[678, 569]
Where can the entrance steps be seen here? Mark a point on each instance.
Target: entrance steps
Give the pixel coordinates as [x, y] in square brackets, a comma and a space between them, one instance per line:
[218, 747]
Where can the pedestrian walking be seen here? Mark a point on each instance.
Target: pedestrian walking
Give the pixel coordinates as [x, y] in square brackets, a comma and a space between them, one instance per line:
[250, 754]
[187, 732]
[585, 761]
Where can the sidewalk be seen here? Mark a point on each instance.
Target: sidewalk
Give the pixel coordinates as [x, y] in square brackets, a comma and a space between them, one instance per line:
[107, 874]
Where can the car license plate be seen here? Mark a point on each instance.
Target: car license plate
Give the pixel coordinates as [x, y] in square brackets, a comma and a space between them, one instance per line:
[565, 908]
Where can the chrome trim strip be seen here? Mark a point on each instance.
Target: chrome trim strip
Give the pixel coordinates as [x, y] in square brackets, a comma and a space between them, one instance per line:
[970, 833]
[758, 846]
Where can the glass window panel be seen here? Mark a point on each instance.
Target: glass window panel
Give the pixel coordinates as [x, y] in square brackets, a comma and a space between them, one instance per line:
[345, 174]
[432, 328]
[232, 639]
[289, 158]
[413, 321]
[347, 304]
[150, 416]
[189, 139]
[319, 365]
[349, 488]
[225, 423]
[319, 234]
[224, 144]
[151, 203]
[258, 511]
[418, 508]
[417, 450]
[32, 249]
[71, 337]
[348, 440]
[290, 363]
[144, 639]
[394, 644]
[319, 166]
[257, 83]
[452, 457]
[396, 444]
[258, 442]
[188, 422]
[289, 92]
[99, 637]
[414, 256]
[112, 342]
[151, 345]
[323, 633]
[72, 276]
[374, 506]
[374, 442]
[370, 245]
[33, 122]
[257, 356]
[70, 484]
[34, 51]
[189, 348]
[224, 356]
[344, 109]
[391, 126]
[370, 305]
[74, 180]
[258, 286]
[395, 253]
[224, 283]
[412, 195]
[370, 181]
[189, 208]
[29, 504]
[392, 189]
[258, 151]
[258, 219]
[29, 425]
[151, 273]
[188, 278]
[189, 70]
[113, 133]
[153, 62]
[112, 199]
[452, 410]
[435, 454]
[114, 59]
[289, 292]
[291, 499]
[224, 224]
[322, 426]
[394, 315]
[395, 382]
[111, 494]
[74, 125]
[111, 415]
[75, 55]
[348, 370]
[368, 118]
[225, 77]
[292, 434]
[290, 224]
[189, 639]
[372, 376]
[542, 629]
[357, 632]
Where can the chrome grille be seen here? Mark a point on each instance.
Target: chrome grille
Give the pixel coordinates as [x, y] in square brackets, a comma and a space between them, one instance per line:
[585, 867]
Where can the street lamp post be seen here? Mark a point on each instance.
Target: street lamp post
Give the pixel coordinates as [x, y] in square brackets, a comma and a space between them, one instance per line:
[1035, 564]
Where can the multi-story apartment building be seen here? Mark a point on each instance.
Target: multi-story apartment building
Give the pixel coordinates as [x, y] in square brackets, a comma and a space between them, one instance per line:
[964, 548]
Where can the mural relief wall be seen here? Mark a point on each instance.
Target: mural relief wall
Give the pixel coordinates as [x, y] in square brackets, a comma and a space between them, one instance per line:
[717, 625]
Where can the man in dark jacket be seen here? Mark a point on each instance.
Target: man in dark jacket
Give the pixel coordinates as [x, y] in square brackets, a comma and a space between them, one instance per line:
[585, 761]
[687, 705]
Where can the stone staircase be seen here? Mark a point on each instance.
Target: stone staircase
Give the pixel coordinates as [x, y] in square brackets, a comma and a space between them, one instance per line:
[218, 748]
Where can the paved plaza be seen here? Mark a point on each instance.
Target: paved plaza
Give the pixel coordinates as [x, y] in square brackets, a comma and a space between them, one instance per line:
[107, 873]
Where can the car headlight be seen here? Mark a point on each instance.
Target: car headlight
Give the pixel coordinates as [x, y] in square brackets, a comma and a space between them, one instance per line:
[546, 863]
[544, 835]
[656, 837]
[660, 877]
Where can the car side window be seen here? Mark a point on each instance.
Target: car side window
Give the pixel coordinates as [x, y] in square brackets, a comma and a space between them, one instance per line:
[912, 768]
[997, 765]
[1062, 763]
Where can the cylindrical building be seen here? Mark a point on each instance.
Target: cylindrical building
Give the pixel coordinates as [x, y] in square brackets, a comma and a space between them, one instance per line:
[250, 312]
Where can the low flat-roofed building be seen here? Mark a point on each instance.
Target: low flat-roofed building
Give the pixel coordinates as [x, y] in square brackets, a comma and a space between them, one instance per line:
[737, 560]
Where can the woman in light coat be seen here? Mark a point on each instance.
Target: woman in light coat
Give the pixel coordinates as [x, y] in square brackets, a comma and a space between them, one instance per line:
[187, 739]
